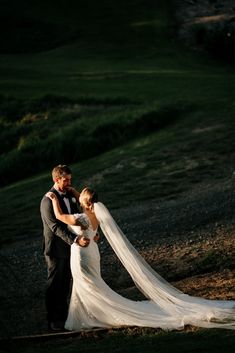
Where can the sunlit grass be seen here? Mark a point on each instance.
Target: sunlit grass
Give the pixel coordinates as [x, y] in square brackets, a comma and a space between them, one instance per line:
[138, 61]
[161, 165]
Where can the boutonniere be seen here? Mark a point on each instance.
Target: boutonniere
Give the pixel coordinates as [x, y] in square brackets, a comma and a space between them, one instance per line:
[74, 200]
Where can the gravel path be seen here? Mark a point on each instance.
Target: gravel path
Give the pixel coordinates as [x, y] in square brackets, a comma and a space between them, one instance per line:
[189, 241]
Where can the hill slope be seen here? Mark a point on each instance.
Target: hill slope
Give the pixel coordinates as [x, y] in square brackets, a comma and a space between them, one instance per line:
[33, 27]
[171, 189]
[190, 241]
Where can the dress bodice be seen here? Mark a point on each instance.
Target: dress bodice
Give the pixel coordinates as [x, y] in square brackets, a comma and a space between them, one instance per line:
[84, 219]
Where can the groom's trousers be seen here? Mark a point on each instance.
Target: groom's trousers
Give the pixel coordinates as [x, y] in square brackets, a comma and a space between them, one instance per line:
[58, 288]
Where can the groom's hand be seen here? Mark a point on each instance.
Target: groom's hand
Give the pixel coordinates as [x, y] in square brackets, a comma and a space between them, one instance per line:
[83, 241]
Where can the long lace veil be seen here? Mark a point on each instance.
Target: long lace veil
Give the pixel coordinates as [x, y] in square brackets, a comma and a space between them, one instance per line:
[193, 310]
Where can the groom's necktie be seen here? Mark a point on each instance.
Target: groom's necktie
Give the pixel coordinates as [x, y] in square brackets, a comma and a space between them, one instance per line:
[66, 201]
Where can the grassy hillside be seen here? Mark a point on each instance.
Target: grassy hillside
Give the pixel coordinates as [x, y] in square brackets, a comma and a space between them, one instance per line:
[197, 149]
[125, 84]
[104, 87]
[50, 24]
[53, 103]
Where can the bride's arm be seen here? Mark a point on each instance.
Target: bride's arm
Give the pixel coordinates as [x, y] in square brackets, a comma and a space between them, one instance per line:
[65, 218]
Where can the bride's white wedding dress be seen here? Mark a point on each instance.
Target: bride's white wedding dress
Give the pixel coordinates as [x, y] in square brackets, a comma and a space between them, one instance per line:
[94, 304]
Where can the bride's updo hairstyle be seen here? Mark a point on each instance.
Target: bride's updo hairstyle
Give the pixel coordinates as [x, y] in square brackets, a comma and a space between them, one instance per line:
[87, 198]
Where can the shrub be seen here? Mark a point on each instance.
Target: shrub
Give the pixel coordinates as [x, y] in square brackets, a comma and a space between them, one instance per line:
[34, 144]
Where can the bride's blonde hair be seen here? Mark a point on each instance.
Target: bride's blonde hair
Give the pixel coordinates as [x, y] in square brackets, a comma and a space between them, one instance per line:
[87, 198]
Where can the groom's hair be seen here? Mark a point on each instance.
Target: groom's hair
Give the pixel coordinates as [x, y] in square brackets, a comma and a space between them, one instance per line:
[60, 170]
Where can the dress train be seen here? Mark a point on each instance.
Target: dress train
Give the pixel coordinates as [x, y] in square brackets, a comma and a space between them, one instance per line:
[94, 304]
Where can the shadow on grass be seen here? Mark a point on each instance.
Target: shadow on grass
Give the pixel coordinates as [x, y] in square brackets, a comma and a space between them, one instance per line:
[123, 340]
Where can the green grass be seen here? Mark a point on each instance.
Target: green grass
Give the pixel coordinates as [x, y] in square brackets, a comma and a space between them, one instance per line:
[44, 26]
[136, 61]
[140, 67]
[139, 341]
[137, 57]
[168, 74]
[81, 51]
[74, 134]
[161, 165]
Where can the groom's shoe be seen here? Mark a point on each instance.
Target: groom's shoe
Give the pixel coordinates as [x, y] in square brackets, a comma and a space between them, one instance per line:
[56, 326]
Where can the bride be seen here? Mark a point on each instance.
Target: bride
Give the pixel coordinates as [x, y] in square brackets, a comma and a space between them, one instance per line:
[94, 304]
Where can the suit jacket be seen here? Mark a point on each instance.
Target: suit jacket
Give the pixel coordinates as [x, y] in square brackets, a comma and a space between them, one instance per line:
[57, 238]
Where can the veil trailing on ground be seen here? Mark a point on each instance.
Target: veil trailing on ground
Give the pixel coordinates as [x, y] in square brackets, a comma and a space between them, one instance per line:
[192, 310]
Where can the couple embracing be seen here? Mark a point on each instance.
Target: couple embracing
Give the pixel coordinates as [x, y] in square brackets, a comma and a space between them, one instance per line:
[70, 248]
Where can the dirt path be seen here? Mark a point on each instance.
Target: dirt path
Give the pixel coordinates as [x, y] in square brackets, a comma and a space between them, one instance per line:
[189, 241]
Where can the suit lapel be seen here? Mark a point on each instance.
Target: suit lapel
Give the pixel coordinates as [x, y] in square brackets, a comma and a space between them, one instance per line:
[61, 201]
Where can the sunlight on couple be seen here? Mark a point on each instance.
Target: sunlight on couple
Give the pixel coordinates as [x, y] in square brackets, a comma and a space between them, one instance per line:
[71, 247]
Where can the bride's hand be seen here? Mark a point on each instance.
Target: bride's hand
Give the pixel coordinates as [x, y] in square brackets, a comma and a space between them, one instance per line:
[96, 237]
[50, 195]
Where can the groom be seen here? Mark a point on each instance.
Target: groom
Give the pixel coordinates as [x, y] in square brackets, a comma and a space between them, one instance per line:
[56, 246]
